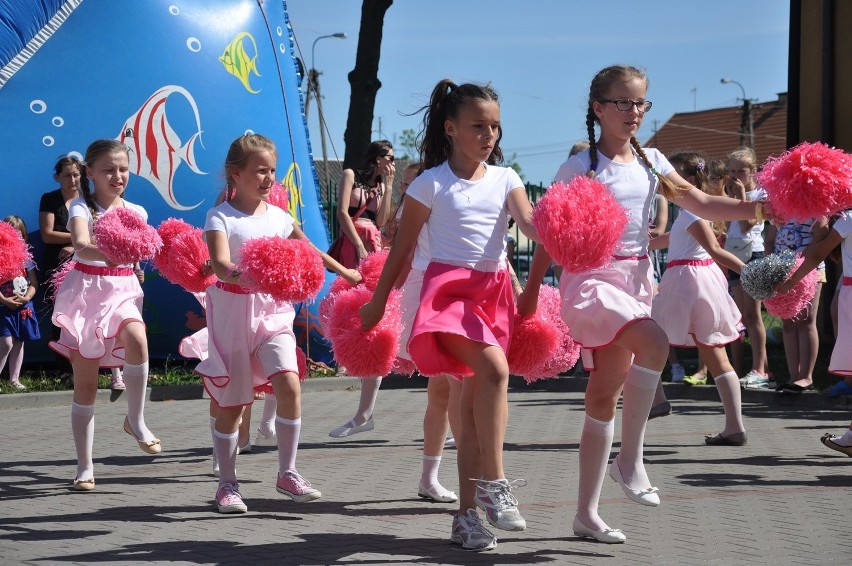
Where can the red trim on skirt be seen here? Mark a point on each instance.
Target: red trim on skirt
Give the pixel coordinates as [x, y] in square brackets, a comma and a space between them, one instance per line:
[695, 262]
[234, 288]
[107, 271]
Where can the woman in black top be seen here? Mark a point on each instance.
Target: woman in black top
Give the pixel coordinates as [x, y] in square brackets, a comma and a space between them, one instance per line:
[53, 214]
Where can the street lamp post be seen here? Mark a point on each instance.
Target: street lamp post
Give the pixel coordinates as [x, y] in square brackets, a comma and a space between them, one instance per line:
[748, 120]
[314, 91]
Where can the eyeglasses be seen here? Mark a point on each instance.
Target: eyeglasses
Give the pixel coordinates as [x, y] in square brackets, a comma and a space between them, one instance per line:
[627, 104]
[391, 157]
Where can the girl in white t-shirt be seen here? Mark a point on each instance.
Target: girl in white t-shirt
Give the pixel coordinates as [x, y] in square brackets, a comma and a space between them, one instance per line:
[609, 309]
[693, 305]
[250, 334]
[840, 234]
[98, 308]
[463, 323]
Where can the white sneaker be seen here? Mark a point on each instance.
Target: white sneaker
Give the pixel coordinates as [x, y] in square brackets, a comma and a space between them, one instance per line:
[265, 439]
[755, 380]
[450, 442]
[470, 533]
[678, 373]
[500, 506]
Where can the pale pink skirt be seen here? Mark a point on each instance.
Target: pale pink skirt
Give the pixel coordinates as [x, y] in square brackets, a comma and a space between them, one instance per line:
[91, 309]
[410, 302]
[597, 305]
[841, 356]
[250, 340]
[458, 300]
[693, 306]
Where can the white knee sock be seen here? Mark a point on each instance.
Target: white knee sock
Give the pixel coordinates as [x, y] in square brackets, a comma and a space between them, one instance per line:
[640, 386]
[213, 435]
[728, 386]
[595, 445]
[429, 475]
[136, 380]
[267, 419]
[83, 429]
[369, 391]
[225, 445]
[287, 431]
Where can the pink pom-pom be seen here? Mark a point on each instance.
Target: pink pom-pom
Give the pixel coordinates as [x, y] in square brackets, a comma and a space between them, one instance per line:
[793, 302]
[168, 230]
[339, 284]
[371, 266]
[187, 256]
[59, 275]
[279, 196]
[533, 340]
[301, 364]
[14, 252]
[403, 366]
[289, 270]
[567, 351]
[580, 224]
[809, 181]
[123, 237]
[364, 354]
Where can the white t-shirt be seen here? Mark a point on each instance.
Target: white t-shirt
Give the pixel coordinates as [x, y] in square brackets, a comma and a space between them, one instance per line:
[240, 227]
[632, 184]
[682, 245]
[79, 208]
[469, 219]
[843, 226]
[756, 232]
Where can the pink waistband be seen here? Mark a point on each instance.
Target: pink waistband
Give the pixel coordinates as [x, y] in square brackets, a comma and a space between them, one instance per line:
[98, 270]
[629, 257]
[847, 280]
[234, 288]
[675, 263]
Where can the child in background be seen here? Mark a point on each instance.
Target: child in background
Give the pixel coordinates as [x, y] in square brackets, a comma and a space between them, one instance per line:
[693, 305]
[464, 320]
[251, 340]
[18, 323]
[99, 309]
[839, 234]
[625, 349]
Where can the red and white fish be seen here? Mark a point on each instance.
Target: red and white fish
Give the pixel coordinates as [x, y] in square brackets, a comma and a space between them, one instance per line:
[155, 148]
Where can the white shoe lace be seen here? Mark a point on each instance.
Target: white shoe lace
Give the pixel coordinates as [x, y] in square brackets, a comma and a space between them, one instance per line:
[502, 491]
[471, 523]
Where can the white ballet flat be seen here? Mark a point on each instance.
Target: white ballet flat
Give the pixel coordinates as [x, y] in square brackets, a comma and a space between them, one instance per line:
[608, 536]
[646, 496]
[438, 494]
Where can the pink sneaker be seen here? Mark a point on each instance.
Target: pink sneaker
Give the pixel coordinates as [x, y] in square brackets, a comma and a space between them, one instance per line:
[229, 500]
[291, 483]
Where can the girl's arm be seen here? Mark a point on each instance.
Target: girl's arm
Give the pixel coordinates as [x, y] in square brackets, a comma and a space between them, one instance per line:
[344, 194]
[48, 234]
[528, 299]
[815, 253]
[414, 216]
[660, 242]
[521, 210]
[31, 290]
[84, 248]
[351, 275]
[769, 237]
[383, 214]
[220, 257]
[662, 219]
[712, 207]
[703, 234]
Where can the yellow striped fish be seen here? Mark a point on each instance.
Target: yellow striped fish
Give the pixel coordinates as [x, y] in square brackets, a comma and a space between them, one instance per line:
[237, 61]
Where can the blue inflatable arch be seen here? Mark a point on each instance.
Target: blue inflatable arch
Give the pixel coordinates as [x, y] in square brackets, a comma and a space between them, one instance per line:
[177, 81]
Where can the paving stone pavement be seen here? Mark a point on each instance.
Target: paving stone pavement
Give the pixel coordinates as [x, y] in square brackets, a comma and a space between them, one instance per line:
[781, 499]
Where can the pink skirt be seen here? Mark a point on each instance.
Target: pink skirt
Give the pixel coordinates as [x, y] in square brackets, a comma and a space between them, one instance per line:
[92, 306]
[195, 345]
[370, 235]
[458, 300]
[599, 304]
[841, 356]
[693, 306]
[250, 340]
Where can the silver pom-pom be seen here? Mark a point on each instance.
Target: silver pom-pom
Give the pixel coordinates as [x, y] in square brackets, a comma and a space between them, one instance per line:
[759, 277]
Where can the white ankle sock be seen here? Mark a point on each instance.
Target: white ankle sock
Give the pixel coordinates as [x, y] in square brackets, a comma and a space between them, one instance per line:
[267, 419]
[595, 446]
[225, 445]
[640, 385]
[367, 403]
[287, 431]
[136, 381]
[83, 429]
[728, 385]
[429, 475]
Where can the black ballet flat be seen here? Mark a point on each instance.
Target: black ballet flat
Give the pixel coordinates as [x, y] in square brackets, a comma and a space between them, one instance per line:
[794, 388]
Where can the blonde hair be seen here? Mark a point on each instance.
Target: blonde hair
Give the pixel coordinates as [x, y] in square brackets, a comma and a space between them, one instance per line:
[695, 165]
[18, 223]
[746, 155]
[239, 152]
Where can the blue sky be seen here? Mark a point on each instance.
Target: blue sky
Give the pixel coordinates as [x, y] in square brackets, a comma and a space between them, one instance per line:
[540, 55]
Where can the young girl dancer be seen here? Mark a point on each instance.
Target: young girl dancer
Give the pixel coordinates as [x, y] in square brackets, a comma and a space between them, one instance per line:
[18, 323]
[463, 323]
[99, 310]
[693, 305]
[609, 309]
[251, 340]
[840, 234]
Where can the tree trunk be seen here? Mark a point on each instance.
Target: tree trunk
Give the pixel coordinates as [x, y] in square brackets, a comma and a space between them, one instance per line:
[364, 81]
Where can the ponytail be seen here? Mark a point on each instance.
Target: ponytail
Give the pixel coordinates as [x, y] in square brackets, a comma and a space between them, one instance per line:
[593, 144]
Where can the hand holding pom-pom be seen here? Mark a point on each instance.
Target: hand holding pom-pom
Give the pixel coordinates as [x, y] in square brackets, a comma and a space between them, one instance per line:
[809, 181]
[371, 268]
[787, 304]
[533, 339]
[567, 351]
[580, 224]
[123, 237]
[760, 276]
[288, 269]
[14, 251]
[189, 262]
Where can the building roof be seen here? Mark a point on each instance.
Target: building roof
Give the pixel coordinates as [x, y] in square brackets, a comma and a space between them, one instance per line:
[717, 132]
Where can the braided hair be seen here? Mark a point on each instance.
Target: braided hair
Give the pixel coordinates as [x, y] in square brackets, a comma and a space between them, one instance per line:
[446, 101]
[93, 152]
[597, 92]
